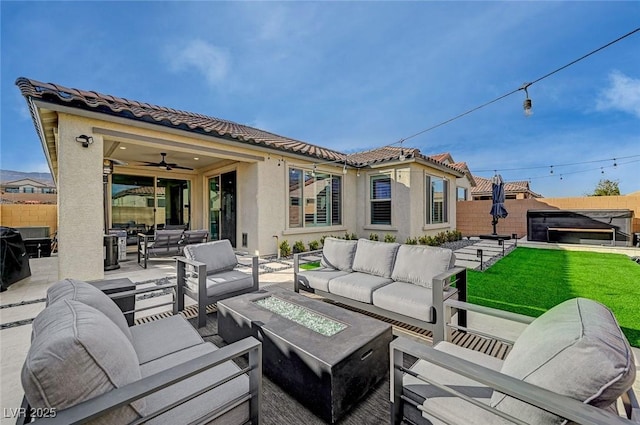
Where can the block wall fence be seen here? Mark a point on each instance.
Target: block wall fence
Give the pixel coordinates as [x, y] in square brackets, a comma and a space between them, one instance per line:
[25, 215]
[473, 217]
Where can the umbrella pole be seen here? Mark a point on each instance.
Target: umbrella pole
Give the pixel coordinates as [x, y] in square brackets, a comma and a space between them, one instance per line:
[494, 222]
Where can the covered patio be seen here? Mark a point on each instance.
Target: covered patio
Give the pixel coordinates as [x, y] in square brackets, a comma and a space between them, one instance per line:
[24, 300]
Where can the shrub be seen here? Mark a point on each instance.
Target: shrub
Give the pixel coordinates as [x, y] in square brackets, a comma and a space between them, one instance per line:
[441, 238]
[412, 241]
[314, 245]
[422, 240]
[298, 246]
[389, 238]
[322, 239]
[285, 249]
[374, 237]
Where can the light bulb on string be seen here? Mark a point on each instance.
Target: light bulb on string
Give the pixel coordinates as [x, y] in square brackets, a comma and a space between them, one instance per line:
[615, 164]
[601, 170]
[551, 172]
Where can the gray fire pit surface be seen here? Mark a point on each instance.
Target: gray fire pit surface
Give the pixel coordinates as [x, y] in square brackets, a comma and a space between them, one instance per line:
[325, 356]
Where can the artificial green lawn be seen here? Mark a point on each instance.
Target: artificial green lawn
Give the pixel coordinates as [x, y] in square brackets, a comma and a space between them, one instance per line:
[530, 281]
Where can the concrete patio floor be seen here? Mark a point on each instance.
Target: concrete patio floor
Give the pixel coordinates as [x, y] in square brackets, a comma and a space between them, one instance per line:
[23, 301]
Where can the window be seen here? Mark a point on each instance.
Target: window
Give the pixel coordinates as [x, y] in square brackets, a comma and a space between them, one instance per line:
[380, 198]
[437, 200]
[295, 196]
[461, 193]
[315, 199]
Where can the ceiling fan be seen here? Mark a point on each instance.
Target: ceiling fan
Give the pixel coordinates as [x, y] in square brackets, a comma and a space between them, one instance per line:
[164, 164]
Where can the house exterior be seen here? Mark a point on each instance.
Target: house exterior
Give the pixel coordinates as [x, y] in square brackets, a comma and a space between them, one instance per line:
[247, 185]
[26, 186]
[512, 190]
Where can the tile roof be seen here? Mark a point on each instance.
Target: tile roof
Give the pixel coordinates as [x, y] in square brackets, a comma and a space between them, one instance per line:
[484, 186]
[190, 121]
[198, 123]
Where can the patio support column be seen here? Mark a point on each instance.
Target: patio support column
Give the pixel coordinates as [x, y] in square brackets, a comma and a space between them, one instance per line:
[80, 198]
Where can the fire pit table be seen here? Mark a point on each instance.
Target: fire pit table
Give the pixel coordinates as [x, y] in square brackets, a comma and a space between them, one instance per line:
[325, 356]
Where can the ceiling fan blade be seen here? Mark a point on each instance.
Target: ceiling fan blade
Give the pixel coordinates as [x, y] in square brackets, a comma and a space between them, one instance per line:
[117, 161]
[163, 164]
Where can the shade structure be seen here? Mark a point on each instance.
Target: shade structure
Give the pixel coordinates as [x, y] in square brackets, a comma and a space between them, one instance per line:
[497, 194]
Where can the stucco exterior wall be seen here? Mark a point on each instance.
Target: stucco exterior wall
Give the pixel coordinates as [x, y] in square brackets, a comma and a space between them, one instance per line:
[80, 201]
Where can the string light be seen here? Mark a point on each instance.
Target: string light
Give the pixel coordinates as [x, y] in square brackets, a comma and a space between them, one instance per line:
[529, 179]
[559, 165]
[527, 103]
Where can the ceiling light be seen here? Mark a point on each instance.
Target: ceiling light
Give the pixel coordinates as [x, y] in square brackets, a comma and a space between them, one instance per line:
[123, 147]
[196, 158]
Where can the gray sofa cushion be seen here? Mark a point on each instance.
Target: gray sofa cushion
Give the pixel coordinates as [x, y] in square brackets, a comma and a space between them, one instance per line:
[338, 254]
[406, 298]
[223, 282]
[419, 264]
[357, 286]
[150, 342]
[77, 354]
[319, 278]
[205, 403]
[376, 258]
[576, 349]
[71, 289]
[217, 256]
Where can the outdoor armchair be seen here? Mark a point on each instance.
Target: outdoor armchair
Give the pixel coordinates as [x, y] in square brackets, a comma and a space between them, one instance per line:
[85, 365]
[572, 362]
[161, 243]
[207, 274]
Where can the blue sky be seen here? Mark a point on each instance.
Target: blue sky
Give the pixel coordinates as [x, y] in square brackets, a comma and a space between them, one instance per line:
[355, 75]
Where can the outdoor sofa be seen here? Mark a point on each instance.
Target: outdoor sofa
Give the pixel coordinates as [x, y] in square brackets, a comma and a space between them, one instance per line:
[207, 274]
[572, 362]
[408, 283]
[85, 365]
[167, 243]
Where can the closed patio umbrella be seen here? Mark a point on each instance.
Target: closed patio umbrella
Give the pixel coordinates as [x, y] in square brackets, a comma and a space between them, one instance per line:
[497, 194]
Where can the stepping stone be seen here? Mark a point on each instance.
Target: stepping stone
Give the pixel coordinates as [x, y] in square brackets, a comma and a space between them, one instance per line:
[473, 265]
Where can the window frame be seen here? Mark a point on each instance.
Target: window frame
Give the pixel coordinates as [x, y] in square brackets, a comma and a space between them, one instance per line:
[372, 200]
[429, 205]
[333, 201]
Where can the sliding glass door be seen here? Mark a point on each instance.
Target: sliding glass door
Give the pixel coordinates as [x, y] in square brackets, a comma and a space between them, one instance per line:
[141, 204]
[222, 207]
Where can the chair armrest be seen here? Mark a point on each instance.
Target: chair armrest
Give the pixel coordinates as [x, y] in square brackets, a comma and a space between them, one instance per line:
[296, 266]
[188, 261]
[442, 315]
[502, 314]
[560, 405]
[95, 407]
[462, 306]
[255, 271]
[134, 292]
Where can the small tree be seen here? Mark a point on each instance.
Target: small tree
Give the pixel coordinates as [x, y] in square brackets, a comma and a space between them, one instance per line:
[606, 187]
